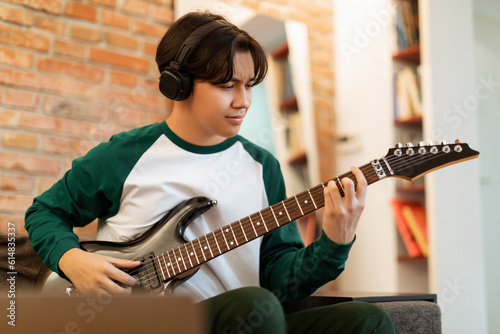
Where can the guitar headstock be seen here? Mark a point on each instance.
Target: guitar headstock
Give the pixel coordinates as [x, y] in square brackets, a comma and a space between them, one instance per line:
[411, 162]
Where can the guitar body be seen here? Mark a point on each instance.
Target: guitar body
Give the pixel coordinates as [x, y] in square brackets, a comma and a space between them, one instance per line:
[166, 234]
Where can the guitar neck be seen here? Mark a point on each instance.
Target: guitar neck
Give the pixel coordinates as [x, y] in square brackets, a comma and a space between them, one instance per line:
[404, 162]
[198, 251]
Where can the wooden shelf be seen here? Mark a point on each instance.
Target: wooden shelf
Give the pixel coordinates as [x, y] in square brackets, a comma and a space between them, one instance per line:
[413, 189]
[410, 55]
[408, 259]
[281, 52]
[414, 121]
[298, 158]
[289, 104]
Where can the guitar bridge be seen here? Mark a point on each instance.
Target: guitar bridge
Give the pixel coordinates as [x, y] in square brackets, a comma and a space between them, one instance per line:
[147, 276]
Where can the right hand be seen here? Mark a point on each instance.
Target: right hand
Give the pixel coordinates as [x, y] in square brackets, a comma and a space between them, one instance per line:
[92, 273]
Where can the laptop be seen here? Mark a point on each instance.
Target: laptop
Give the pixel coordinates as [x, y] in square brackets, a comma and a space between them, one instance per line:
[100, 314]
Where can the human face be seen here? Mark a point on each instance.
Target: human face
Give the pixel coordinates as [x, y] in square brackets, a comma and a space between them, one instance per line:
[214, 113]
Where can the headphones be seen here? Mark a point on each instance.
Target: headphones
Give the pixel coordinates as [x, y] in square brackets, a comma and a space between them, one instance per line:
[175, 84]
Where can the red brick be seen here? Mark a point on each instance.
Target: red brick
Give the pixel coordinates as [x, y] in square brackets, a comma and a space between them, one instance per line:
[78, 70]
[15, 203]
[49, 6]
[123, 79]
[30, 163]
[128, 99]
[122, 40]
[85, 33]
[81, 11]
[15, 221]
[70, 49]
[115, 19]
[118, 59]
[150, 48]
[65, 146]
[55, 124]
[17, 182]
[137, 7]
[107, 3]
[15, 15]
[18, 139]
[21, 99]
[52, 25]
[16, 57]
[163, 14]
[131, 117]
[45, 83]
[148, 29]
[23, 38]
[9, 118]
[45, 182]
[72, 108]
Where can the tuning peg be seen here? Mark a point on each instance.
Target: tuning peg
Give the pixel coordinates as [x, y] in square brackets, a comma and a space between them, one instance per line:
[397, 151]
[457, 141]
[409, 144]
[410, 151]
[422, 149]
[445, 142]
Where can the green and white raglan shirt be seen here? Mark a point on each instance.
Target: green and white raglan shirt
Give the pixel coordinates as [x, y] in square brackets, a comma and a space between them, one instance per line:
[131, 181]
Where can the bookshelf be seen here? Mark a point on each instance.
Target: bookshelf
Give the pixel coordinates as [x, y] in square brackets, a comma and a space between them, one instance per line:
[291, 130]
[412, 256]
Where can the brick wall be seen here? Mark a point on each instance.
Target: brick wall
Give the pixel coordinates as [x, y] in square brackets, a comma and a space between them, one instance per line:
[72, 73]
[317, 15]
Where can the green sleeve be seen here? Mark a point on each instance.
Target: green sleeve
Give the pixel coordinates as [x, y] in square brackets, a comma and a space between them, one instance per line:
[75, 200]
[287, 268]
[90, 189]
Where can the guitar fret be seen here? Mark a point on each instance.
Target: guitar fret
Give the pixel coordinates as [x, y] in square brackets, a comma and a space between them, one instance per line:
[195, 252]
[177, 259]
[298, 204]
[234, 235]
[293, 212]
[274, 215]
[286, 210]
[208, 246]
[312, 199]
[225, 240]
[251, 222]
[243, 231]
[202, 251]
[171, 264]
[188, 255]
[263, 221]
[165, 265]
[158, 263]
[216, 243]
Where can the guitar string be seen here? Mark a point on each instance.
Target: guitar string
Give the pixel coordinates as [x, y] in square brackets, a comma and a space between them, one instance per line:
[220, 240]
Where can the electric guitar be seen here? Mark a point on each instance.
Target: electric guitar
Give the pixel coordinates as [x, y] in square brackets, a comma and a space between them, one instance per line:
[166, 256]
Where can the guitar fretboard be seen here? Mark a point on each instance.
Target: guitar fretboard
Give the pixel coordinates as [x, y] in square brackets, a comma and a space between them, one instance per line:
[196, 252]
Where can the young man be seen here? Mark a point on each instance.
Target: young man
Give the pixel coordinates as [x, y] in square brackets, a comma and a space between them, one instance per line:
[208, 67]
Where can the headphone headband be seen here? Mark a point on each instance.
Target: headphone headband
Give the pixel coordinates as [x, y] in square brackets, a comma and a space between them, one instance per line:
[173, 83]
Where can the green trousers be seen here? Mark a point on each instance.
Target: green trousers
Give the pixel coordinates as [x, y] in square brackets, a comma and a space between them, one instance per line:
[255, 310]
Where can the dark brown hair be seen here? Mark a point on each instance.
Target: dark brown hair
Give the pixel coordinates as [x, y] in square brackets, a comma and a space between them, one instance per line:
[212, 60]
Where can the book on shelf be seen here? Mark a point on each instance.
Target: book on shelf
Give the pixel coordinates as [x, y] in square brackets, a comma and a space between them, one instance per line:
[406, 24]
[411, 223]
[407, 94]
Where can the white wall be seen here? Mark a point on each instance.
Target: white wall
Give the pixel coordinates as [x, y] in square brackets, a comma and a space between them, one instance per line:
[363, 102]
[487, 30]
[453, 201]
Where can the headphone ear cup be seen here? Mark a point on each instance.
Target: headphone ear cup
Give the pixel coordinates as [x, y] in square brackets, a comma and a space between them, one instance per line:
[174, 85]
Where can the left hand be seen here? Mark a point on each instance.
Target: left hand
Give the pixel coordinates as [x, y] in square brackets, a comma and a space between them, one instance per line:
[342, 214]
